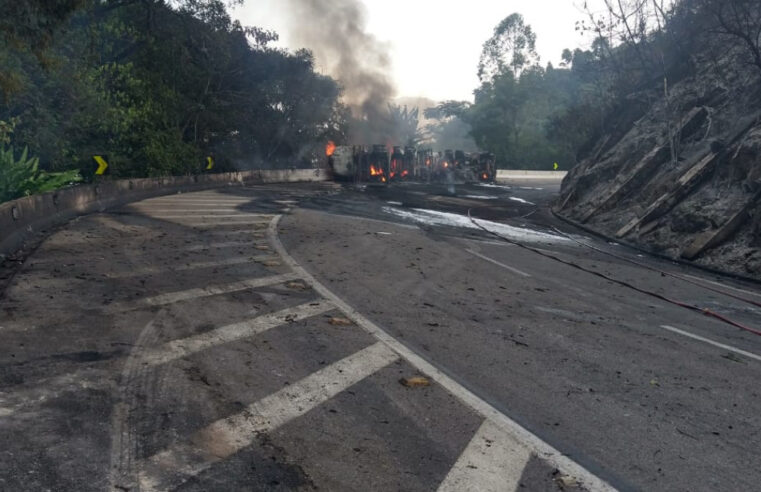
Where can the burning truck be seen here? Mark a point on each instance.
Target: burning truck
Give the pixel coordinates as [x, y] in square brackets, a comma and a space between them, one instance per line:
[381, 164]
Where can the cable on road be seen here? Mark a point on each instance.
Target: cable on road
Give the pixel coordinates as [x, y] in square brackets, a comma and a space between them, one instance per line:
[658, 270]
[704, 311]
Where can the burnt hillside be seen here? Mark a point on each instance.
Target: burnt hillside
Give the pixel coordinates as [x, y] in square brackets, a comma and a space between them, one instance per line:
[679, 171]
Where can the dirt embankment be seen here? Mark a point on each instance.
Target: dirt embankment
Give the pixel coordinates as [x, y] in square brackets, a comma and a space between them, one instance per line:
[680, 176]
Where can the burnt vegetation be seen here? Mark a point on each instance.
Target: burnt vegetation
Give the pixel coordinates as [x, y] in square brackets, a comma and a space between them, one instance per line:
[675, 162]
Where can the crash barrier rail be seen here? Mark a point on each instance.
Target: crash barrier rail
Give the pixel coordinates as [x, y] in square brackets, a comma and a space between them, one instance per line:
[21, 219]
[507, 174]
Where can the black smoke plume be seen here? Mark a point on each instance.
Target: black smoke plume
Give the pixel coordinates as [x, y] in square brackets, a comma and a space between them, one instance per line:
[336, 32]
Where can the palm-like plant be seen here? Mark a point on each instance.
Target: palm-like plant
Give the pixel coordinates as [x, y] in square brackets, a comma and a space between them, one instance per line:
[406, 125]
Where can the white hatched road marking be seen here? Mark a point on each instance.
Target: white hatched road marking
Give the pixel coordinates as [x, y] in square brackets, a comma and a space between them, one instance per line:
[221, 245]
[218, 224]
[202, 209]
[223, 438]
[253, 232]
[500, 264]
[712, 342]
[183, 347]
[493, 461]
[185, 295]
[211, 216]
[193, 266]
[195, 200]
[534, 444]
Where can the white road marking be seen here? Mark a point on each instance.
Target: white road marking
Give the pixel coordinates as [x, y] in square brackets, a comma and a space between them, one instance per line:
[185, 295]
[253, 232]
[535, 445]
[189, 199]
[221, 245]
[493, 461]
[220, 224]
[169, 469]
[210, 210]
[208, 216]
[184, 347]
[490, 243]
[192, 266]
[366, 219]
[711, 342]
[506, 267]
[719, 284]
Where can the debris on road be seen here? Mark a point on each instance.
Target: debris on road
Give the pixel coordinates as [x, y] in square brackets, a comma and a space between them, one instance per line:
[340, 322]
[297, 285]
[415, 382]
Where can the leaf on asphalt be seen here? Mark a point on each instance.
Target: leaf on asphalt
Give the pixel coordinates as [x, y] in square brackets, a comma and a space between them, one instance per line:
[297, 285]
[566, 481]
[340, 322]
[415, 382]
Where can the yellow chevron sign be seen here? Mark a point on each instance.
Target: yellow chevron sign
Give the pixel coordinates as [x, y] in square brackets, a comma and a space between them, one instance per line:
[209, 163]
[102, 165]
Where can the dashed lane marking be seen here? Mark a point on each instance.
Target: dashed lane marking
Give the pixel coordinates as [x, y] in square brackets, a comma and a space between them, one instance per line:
[184, 295]
[498, 263]
[169, 469]
[712, 342]
[192, 266]
[534, 444]
[184, 347]
[493, 461]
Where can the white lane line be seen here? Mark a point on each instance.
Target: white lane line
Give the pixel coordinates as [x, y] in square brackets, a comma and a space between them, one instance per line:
[193, 266]
[169, 469]
[725, 286]
[185, 295]
[495, 262]
[184, 347]
[493, 461]
[535, 444]
[712, 342]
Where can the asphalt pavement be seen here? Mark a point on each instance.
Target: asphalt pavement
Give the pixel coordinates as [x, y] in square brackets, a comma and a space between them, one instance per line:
[345, 337]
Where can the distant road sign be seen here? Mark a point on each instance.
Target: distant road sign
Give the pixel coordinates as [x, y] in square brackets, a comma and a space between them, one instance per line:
[101, 161]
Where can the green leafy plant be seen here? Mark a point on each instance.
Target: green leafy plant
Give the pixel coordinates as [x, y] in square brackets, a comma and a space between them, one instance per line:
[21, 176]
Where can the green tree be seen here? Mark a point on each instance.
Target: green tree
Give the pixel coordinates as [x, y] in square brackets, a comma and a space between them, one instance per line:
[511, 48]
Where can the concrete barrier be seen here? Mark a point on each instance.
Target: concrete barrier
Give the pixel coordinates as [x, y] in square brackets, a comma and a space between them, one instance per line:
[508, 174]
[22, 218]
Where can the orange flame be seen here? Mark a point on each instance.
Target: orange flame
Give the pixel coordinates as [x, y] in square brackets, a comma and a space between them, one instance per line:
[330, 148]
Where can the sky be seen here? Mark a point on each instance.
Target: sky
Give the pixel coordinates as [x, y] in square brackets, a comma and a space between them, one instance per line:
[435, 44]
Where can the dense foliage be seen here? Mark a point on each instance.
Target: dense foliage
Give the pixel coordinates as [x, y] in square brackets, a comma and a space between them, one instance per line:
[157, 85]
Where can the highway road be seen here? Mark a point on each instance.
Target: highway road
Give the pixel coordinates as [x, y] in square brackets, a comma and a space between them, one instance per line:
[411, 337]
